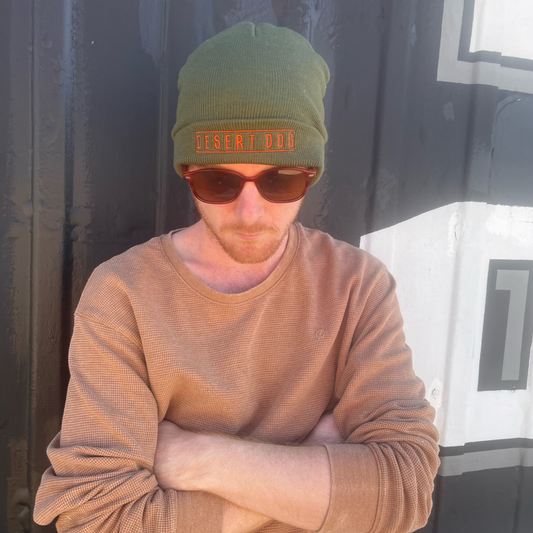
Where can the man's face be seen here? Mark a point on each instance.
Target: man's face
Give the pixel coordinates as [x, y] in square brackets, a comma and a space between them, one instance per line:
[250, 229]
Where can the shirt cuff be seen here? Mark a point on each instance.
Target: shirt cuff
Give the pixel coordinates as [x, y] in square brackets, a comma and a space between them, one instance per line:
[354, 489]
[192, 515]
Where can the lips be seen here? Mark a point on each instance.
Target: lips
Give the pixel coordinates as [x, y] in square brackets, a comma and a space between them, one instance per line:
[249, 235]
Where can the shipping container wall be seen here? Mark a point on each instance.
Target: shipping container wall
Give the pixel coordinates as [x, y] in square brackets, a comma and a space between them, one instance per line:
[429, 166]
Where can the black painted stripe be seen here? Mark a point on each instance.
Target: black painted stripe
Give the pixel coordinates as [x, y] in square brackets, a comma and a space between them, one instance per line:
[486, 455]
[501, 444]
[457, 465]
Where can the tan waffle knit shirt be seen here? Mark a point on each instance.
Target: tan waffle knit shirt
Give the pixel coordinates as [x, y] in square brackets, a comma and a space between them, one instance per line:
[151, 342]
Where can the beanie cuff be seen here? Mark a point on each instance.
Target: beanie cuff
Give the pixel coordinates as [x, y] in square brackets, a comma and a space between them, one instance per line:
[280, 142]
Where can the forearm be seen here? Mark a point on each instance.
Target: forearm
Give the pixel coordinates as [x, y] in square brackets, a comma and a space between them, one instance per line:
[259, 482]
[289, 484]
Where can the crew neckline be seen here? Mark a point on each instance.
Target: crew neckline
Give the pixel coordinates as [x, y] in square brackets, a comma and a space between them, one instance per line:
[201, 288]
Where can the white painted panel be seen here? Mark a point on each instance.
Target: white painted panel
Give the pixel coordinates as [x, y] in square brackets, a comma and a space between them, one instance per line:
[503, 26]
[450, 69]
[440, 260]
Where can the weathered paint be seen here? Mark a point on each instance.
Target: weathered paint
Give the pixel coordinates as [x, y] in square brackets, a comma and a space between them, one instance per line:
[441, 261]
[15, 262]
[426, 131]
[483, 43]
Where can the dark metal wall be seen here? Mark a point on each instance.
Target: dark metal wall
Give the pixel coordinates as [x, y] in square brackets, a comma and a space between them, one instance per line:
[87, 101]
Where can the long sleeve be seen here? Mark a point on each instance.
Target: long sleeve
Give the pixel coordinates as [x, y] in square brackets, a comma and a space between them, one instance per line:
[322, 332]
[381, 406]
[101, 478]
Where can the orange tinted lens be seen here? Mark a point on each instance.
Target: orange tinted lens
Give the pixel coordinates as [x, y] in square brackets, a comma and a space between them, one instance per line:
[216, 185]
[282, 184]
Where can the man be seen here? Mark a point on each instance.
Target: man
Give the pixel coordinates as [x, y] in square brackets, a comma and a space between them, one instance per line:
[243, 374]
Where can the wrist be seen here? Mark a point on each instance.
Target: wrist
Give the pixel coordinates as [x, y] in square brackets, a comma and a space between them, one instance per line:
[218, 453]
[202, 474]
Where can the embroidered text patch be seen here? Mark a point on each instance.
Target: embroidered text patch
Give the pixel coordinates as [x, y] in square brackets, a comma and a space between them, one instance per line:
[231, 142]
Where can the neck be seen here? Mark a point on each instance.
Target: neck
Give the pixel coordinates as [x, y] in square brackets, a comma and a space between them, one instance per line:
[203, 255]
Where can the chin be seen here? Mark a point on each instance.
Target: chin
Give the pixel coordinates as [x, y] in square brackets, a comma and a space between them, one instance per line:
[251, 252]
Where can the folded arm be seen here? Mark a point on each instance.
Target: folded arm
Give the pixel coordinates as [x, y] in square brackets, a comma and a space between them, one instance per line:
[101, 478]
[379, 479]
[287, 483]
[103, 461]
[381, 404]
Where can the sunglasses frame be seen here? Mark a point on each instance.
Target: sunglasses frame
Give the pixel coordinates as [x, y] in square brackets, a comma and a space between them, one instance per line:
[188, 175]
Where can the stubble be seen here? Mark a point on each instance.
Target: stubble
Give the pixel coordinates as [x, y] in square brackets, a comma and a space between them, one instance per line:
[243, 251]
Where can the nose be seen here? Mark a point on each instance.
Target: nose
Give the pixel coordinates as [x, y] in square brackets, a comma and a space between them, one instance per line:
[250, 205]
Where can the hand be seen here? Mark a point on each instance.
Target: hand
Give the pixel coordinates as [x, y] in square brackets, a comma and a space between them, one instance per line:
[325, 432]
[178, 461]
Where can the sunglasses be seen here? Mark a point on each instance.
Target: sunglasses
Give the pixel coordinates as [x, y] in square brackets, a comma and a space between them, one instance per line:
[220, 186]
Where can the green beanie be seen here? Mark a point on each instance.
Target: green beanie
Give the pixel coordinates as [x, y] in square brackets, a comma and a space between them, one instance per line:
[252, 94]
